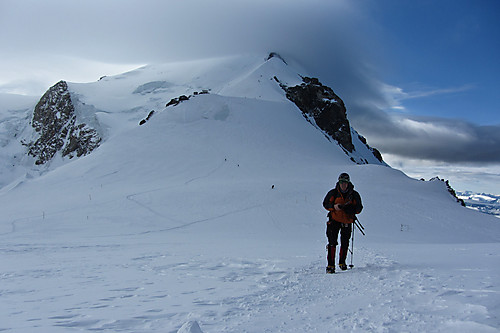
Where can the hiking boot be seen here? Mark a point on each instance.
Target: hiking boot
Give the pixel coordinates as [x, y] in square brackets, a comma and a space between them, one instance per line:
[330, 269]
[343, 266]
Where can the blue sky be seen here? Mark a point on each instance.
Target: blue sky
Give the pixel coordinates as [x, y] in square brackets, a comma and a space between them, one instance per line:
[443, 59]
[446, 50]
[419, 78]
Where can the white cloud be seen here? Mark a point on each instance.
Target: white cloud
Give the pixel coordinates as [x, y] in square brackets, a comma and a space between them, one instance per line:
[462, 176]
[33, 75]
[438, 91]
[433, 130]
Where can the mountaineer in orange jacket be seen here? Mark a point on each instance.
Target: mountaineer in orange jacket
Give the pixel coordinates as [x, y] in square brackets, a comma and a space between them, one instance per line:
[343, 203]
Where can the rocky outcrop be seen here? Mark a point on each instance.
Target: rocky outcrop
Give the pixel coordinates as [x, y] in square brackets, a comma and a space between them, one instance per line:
[323, 108]
[450, 189]
[57, 128]
[328, 111]
[374, 151]
[174, 102]
[276, 55]
[182, 98]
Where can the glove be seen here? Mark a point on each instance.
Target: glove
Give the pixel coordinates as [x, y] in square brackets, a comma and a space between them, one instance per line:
[338, 207]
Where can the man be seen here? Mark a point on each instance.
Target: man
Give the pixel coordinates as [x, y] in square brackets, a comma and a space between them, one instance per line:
[343, 203]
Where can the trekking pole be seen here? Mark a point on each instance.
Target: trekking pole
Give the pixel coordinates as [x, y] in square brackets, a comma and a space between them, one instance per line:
[357, 221]
[359, 226]
[352, 247]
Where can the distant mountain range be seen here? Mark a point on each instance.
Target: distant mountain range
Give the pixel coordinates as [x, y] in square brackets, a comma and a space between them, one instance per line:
[486, 203]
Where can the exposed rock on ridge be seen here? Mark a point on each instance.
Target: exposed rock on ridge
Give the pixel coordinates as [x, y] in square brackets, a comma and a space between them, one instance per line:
[174, 102]
[57, 128]
[325, 107]
[450, 189]
[322, 107]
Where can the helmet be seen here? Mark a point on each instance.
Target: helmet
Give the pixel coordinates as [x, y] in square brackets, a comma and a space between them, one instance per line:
[344, 178]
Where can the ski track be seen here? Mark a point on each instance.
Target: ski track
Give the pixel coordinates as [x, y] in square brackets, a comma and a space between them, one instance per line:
[180, 224]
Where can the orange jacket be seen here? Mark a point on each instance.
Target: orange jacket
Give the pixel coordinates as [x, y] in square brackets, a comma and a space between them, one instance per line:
[350, 202]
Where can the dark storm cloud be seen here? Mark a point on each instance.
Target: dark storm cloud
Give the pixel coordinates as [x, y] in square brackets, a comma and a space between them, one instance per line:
[152, 30]
[333, 40]
[433, 139]
[329, 39]
[416, 137]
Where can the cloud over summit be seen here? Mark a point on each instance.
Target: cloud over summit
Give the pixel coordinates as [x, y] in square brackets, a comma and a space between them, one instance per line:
[338, 41]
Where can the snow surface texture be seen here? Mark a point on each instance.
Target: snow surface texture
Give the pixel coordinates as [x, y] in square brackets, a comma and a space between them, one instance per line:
[208, 218]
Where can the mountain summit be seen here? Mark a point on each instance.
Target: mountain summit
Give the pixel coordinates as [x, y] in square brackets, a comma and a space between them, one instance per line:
[73, 119]
[58, 129]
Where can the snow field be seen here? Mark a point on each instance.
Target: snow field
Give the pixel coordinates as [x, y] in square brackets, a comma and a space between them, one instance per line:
[175, 226]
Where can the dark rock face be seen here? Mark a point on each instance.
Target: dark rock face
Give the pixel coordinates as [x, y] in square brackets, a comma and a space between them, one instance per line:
[55, 123]
[174, 102]
[323, 108]
[276, 55]
[320, 103]
[374, 151]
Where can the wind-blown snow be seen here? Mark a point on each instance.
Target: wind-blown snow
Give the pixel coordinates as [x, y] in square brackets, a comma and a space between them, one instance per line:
[175, 225]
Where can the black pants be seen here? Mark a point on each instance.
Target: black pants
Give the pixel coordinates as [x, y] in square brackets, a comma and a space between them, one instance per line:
[332, 232]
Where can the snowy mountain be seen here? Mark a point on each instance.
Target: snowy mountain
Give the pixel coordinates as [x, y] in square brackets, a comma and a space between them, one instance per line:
[69, 119]
[189, 200]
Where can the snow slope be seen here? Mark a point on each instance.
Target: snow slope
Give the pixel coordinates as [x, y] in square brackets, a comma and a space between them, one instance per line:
[175, 225]
[14, 117]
